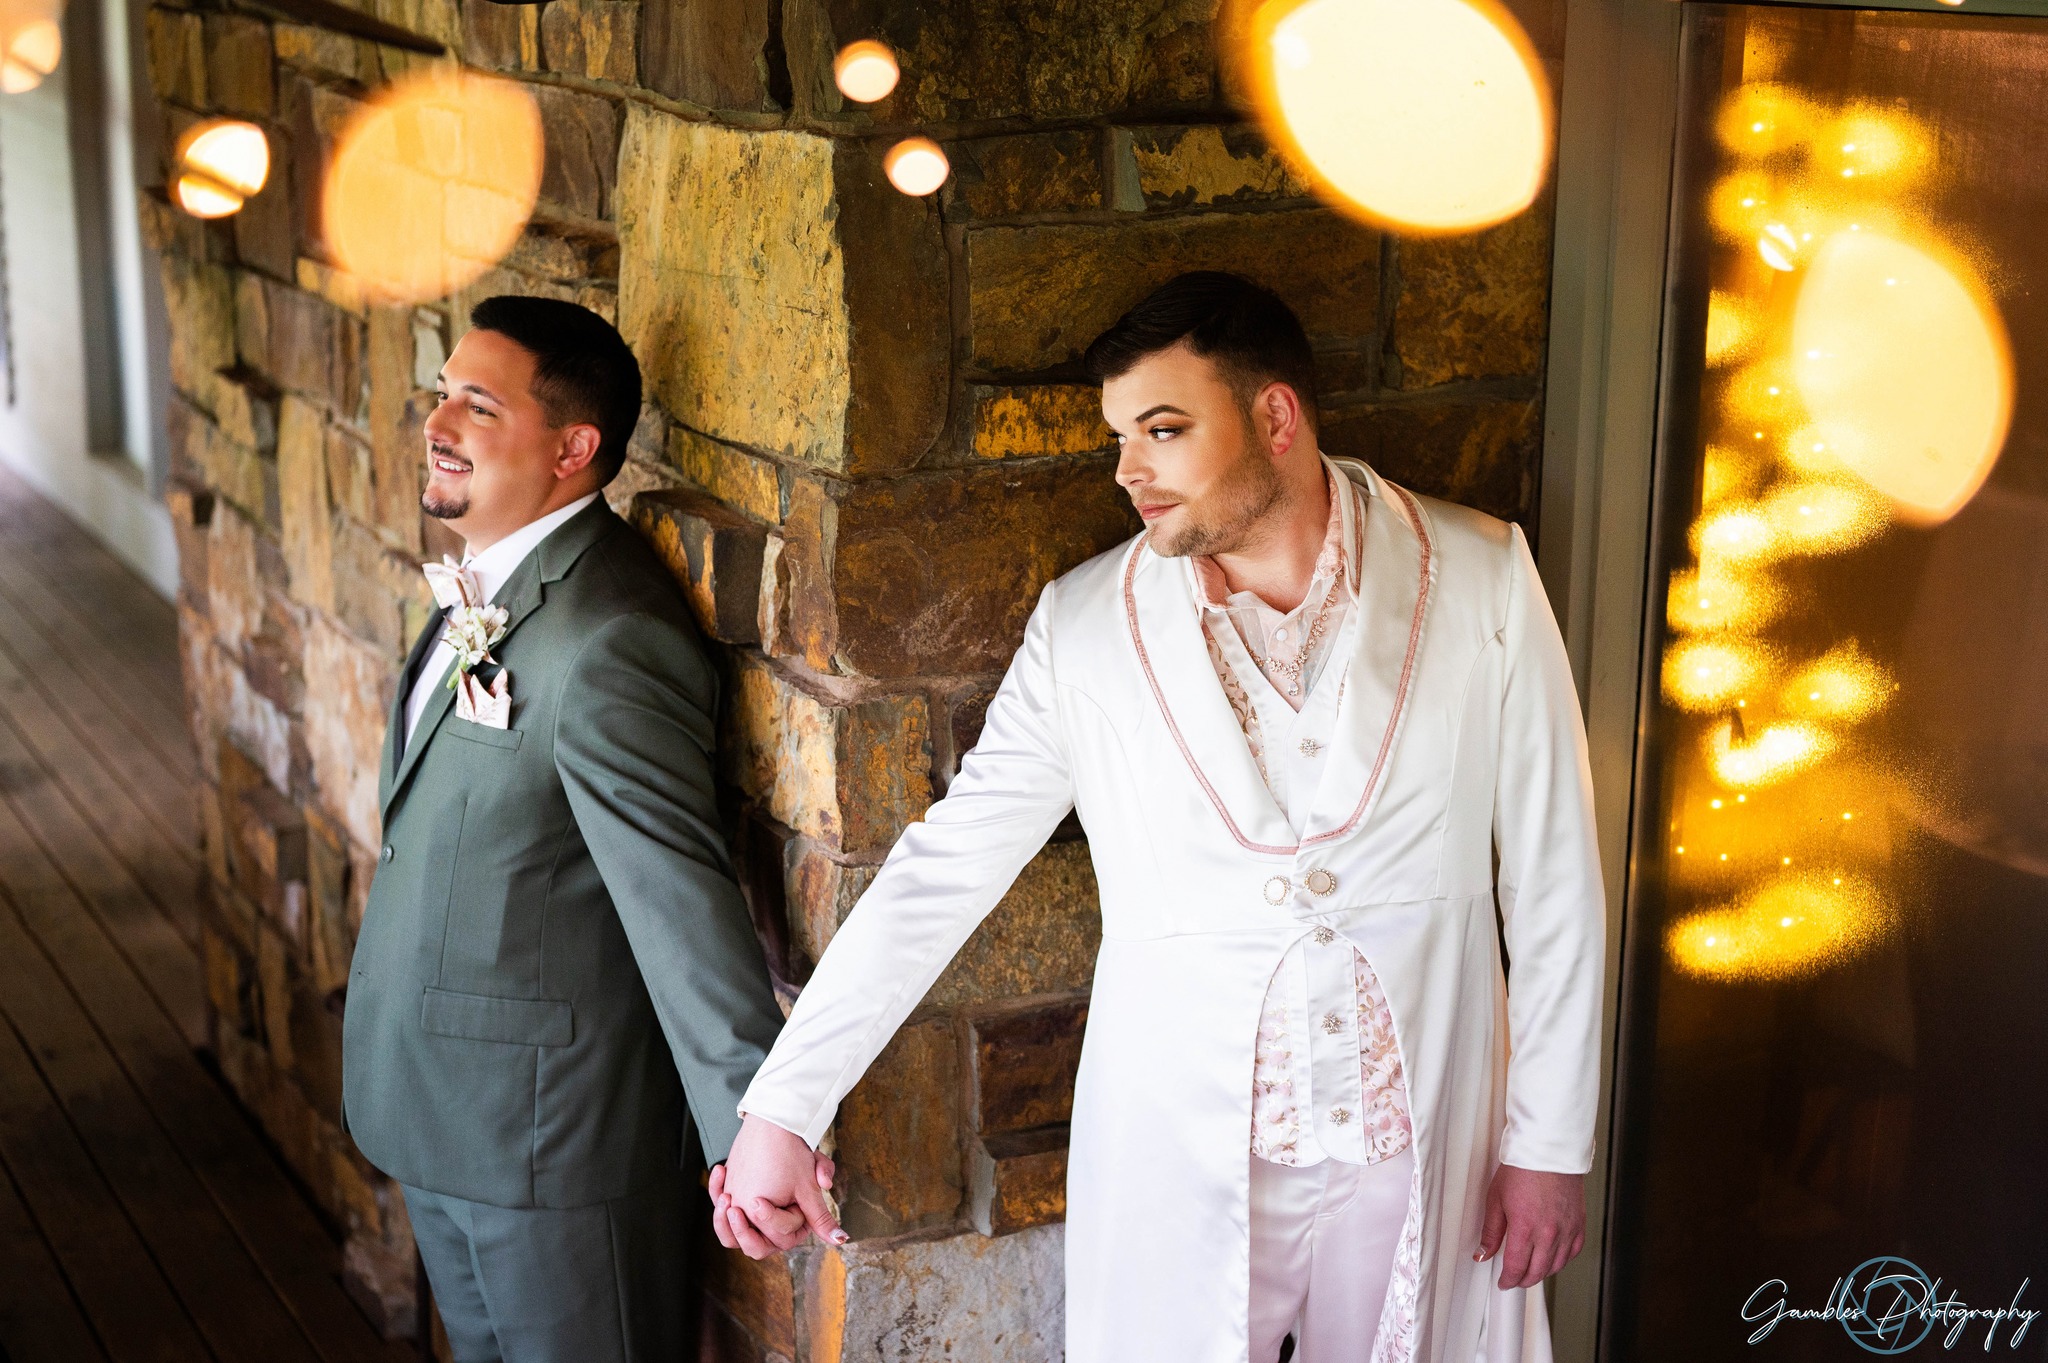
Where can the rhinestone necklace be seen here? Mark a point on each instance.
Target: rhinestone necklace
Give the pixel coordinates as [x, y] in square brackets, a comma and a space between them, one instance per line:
[1291, 669]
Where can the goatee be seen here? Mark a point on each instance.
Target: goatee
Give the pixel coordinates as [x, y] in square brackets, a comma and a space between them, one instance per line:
[444, 508]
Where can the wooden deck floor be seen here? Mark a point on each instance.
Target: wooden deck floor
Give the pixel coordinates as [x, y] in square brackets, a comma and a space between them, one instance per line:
[141, 1214]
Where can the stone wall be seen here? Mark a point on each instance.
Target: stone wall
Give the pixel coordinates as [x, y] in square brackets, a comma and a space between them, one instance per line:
[866, 447]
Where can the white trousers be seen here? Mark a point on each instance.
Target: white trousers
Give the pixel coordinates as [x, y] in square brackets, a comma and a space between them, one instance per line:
[1323, 1240]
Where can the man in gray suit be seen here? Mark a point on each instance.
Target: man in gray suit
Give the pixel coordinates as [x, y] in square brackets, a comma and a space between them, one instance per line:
[555, 960]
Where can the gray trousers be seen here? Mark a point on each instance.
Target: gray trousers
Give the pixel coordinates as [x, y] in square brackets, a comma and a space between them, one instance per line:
[607, 1283]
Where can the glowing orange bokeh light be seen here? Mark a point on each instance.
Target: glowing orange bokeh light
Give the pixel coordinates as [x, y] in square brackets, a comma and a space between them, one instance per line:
[432, 183]
[1790, 926]
[1423, 116]
[221, 163]
[1905, 353]
[916, 166]
[865, 71]
[33, 49]
[1761, 119]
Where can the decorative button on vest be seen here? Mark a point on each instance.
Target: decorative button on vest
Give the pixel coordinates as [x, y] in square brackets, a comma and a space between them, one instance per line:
[1340, 1115]
[1324, 936]
[1332, 1023]
[1309, 747]
[1277, 888]
[1320, 882]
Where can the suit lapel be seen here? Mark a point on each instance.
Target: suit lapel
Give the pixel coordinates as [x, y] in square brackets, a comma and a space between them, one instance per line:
[523, 593]
[394, 734]
[1166, 630]
[1397, 568]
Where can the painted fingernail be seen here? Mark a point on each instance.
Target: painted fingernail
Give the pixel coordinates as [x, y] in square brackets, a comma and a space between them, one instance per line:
[840, 1237]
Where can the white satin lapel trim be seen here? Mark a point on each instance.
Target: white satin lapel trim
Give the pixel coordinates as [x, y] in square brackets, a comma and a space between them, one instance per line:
[1396, 570]
[1166, 630]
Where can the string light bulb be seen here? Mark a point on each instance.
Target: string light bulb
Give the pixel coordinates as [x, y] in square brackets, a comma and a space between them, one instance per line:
[222, 163]
[1424, 116]
[916, 166]
[866, 71]
[32, 52]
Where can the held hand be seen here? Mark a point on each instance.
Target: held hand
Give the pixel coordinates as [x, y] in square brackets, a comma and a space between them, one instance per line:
[1541, 1218]
[767, 1196]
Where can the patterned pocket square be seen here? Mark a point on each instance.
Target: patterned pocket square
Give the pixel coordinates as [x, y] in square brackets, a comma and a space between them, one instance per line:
[490, 706]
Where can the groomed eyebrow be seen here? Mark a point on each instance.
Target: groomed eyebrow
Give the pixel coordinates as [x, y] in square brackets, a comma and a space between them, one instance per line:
[1151, 412]
[476, 388]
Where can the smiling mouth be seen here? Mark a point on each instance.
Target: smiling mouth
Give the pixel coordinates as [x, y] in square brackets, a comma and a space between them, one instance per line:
[442, 463]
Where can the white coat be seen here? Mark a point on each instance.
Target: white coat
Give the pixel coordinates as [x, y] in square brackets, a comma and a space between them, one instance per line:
[1458, 738]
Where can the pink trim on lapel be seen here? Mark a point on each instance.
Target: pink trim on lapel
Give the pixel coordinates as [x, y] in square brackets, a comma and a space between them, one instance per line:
[1421, 528]
[1379, 763]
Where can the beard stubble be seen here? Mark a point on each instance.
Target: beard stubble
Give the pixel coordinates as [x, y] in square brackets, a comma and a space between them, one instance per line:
[1223, 522]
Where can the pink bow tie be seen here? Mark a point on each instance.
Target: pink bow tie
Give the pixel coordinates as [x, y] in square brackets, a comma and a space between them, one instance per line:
[454, 585]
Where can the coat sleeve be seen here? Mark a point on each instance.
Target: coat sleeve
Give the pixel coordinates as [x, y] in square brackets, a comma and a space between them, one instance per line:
[633, 742]
[1552, 903]
[940, 880]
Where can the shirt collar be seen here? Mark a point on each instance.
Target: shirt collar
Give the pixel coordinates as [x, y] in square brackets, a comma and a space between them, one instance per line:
[497, 563]
[1334, 558]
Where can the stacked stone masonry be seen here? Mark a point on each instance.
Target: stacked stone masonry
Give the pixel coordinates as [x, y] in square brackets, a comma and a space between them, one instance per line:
[867, 445]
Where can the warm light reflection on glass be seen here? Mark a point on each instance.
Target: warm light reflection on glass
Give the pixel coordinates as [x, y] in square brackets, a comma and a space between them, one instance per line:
[1708, 675]
[1731, 328]
[865, 71]
[1761, 394]
[32, 52]
[1727, 473]
[1776, 753]
[1822, 517]
[1743, 204]
[1909, 350]
[1874, 148]
[1793, 925]
[1422, 115]
[220, 164]
[1842, 685]
[1739, 533]
[1762, 119]
[1875, 385]
[432, 183]
[916, 166]
[1721, 600]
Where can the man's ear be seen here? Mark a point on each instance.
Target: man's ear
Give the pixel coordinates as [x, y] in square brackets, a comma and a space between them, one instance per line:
[1278, 408]
[579, 447]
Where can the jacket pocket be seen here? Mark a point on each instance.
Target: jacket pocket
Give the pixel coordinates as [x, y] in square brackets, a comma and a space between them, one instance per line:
[486, 1017]
[457, 727]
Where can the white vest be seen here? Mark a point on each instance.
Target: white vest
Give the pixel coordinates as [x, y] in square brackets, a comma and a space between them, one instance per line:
[1458, 734]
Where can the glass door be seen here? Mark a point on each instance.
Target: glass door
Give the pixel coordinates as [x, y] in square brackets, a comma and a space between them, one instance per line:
[1834, 1060]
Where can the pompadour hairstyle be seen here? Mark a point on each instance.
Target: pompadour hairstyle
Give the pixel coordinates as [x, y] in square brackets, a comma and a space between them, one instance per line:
[1243, 328]
[583, 369]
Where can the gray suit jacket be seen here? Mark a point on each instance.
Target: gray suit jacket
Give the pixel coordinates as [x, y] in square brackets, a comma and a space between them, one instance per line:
[555, 956]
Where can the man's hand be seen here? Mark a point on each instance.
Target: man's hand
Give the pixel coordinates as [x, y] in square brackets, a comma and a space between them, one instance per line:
[766, 1196]
[1541, 1217]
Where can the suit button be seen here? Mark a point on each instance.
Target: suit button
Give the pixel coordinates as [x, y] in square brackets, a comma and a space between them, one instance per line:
[388, 853]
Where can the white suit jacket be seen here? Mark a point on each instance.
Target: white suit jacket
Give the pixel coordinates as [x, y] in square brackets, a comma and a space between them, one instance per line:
[1458, 736]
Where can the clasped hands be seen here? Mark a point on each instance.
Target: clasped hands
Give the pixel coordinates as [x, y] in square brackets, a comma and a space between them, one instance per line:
[768, 1195]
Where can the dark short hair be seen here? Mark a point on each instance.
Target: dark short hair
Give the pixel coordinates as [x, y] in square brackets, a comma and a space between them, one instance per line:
[583, 369]
[1243, 328]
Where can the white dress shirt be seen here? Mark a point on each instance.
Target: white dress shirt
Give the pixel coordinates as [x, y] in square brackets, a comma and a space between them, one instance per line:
[493, 567]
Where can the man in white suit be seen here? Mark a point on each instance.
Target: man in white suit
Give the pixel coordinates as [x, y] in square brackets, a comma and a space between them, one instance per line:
[1301, 716]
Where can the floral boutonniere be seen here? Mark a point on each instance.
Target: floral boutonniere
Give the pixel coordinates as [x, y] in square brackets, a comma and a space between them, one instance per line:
[471, 632]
